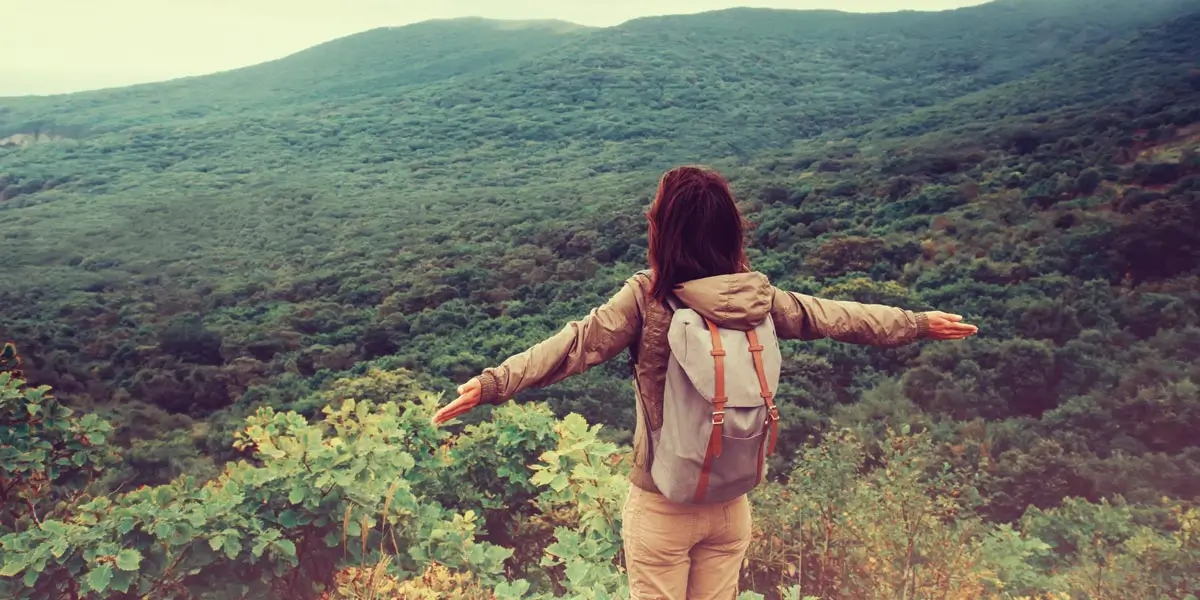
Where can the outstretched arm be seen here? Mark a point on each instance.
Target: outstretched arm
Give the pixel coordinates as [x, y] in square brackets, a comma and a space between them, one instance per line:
[798, 316]
[577, 347]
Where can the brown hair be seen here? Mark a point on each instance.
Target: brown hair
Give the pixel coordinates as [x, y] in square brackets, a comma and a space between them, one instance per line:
[696, 229]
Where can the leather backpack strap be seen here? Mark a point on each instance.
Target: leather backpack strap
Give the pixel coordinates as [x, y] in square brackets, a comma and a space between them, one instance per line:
[756, 351]
[718, 416]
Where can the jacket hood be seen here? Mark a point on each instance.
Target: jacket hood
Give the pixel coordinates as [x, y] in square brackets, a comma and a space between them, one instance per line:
[740, 301]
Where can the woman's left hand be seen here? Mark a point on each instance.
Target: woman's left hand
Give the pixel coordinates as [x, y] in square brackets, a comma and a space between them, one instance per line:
[945, 326]
[468, 398]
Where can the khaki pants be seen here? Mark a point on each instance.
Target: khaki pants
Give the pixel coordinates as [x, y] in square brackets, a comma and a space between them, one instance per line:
[683, 552]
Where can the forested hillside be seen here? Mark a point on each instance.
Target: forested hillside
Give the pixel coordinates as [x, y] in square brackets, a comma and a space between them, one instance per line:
[398, 209]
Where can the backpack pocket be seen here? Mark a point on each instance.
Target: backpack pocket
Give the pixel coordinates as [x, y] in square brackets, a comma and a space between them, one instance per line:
[743, 448]
[681, 448]
[739, 468]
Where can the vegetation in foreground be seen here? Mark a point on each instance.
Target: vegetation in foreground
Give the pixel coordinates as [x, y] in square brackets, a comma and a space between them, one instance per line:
[356, 505]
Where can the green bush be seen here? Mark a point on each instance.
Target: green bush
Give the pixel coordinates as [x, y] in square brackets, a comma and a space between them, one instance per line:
[349, 505]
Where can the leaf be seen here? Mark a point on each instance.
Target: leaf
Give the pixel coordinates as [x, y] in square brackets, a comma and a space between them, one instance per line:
[499, 554]
[296, 496]
[541, 478]
[289, 519]
[560, 482]
[577, 572]
[163, 530]
[232, 548]
[286, 548]
[59, 547]
[125, 525]
[129, 559]
[512, 590]
[12, 568]
[196, 519]
[122, 580]
[216, 542]
[55, 527]
[476, 555]
[258, 548]
[405, 461]
[98, 578]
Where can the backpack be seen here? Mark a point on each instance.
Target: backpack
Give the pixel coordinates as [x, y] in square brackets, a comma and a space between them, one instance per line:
[719, 417]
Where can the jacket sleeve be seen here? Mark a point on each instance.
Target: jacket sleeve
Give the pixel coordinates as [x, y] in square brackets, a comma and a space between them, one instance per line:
[577, 347]
[801, 317]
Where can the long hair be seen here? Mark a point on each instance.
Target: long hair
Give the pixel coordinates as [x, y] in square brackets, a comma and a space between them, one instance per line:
[696, 230]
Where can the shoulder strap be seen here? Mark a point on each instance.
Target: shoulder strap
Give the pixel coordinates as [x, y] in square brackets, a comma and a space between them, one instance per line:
[756, 350]
[713, 451]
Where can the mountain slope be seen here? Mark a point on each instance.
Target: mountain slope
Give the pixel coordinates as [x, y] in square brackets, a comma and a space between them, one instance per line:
[1157, 67]
[156, 189]
[387, 58]
[779, 73]
[418, 54]
[508, 112]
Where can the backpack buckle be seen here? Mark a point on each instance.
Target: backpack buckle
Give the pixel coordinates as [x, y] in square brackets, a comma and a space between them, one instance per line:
[718, 417]
[773, 414]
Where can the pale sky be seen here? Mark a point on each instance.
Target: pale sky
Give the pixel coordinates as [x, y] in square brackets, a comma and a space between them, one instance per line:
[56, 46]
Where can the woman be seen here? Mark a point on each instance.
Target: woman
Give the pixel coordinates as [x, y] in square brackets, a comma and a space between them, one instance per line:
[696, 252]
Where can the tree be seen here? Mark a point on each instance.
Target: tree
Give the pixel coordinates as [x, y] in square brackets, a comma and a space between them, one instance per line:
[1088, 181]
[188, 339]
[845, 255]
[49, 458]
[1026, 376]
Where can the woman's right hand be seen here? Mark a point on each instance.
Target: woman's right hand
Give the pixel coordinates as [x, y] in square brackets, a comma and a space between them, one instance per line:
[945, 326]
[468, 398]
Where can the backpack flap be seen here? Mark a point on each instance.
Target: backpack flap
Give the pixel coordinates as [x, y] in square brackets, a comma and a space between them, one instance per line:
[691, 344]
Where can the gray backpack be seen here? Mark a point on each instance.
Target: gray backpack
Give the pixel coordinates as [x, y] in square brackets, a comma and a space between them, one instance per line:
[719, 419]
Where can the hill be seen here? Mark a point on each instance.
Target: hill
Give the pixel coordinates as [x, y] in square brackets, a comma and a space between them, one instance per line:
[178, 255]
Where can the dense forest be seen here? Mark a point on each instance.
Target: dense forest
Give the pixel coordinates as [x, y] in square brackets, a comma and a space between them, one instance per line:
[235, 299]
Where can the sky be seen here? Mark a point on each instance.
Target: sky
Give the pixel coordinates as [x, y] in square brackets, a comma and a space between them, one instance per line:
[59, 46]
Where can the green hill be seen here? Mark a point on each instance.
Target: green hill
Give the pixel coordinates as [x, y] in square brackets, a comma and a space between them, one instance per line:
[437, 196]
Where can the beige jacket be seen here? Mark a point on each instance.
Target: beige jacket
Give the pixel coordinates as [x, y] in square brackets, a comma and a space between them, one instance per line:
[632, 319]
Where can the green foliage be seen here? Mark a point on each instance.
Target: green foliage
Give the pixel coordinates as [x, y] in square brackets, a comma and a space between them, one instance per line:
[1109, 551]
[48, 457]
[314, 495]
[580, 473]
[346, 507]
[905, 528]
[187, 339]
[342, 225]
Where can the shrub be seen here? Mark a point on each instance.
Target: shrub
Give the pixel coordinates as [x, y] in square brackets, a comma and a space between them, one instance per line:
[188, 339]
[348, 507]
